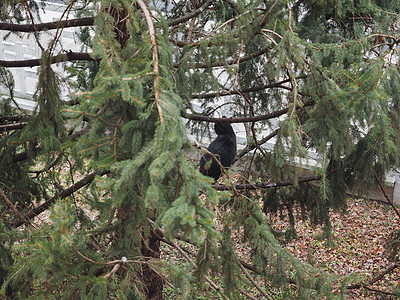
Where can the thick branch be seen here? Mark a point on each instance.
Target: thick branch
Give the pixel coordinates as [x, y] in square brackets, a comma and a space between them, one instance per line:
[69, 56]
[89, 21]
[272, 115]
[255, 186]
[9, 127]
[65, 193]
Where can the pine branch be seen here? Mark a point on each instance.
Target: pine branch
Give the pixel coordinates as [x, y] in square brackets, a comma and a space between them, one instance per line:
[69, 56]
[193, 14]
[255, 186]
[74, 56]
[88, 21]
[24, 155]
[65, 193]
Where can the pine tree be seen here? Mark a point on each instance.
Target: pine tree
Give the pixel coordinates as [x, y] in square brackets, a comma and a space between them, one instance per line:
[315, 76]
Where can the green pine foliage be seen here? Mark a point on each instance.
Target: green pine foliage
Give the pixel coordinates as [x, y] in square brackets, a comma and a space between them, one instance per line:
[316, 72]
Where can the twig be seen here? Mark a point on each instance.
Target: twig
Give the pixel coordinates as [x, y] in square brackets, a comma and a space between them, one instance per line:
[247, 294]
[231, 61]
[116, 267]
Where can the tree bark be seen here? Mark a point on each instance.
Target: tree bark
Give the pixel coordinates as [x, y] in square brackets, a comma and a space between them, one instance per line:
[69, 56]
[89, 21]
[153, 282]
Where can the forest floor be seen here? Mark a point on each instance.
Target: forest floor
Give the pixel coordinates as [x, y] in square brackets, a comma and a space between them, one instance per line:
[357, 246]
[356, 249]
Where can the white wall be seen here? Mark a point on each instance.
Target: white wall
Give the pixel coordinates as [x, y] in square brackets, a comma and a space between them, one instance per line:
[22, 46]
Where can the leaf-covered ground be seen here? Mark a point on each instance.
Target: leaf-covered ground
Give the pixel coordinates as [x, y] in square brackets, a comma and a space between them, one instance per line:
[357, 247]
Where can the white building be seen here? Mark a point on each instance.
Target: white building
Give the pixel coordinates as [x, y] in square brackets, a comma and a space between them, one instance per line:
[23, 46]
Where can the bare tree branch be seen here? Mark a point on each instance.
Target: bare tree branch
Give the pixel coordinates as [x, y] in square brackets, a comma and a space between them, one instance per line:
[387, 197]
[69, 56]
[252, 146]
[9, 127]
[89, 21]
[272, 115]
[65, 193]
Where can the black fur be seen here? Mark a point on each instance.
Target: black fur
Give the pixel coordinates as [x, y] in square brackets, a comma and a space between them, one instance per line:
[223, 147]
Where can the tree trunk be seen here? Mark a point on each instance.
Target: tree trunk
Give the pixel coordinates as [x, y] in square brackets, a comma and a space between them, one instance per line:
[153, 283]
